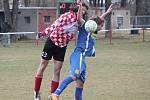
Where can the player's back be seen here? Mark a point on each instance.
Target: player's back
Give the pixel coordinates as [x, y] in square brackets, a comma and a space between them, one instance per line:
[62, 30]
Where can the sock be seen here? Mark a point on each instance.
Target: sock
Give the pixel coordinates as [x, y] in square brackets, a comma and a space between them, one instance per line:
[78, 93]
[63, 85]
[37, 84]
[54, 86]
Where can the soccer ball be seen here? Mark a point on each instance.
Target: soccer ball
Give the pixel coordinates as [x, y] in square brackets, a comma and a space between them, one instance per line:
[91, 26]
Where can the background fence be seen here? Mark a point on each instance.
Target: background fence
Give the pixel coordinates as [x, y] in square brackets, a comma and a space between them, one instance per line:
[140, 21]
[125, 35]
[113, 36]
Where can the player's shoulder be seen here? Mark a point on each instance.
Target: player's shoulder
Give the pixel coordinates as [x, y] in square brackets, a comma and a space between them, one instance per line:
[68, 13]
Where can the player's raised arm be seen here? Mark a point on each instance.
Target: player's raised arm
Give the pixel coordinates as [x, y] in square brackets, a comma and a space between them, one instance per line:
[78, 1]
[107, 12]
[38, 35]
[79, 14]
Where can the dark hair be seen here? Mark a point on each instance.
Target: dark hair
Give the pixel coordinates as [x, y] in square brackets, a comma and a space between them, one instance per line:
[85, 5]
[85, 15]
[97, 19]
[75, 7]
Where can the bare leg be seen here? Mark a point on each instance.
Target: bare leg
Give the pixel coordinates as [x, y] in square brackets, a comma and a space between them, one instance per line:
[38, 78]
[42, 66]
[56, 75]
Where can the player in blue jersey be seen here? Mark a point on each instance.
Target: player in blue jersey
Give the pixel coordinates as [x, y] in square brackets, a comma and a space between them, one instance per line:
[85, 47]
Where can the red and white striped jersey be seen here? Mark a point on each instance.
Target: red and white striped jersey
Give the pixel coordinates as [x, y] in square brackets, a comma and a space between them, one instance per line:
[61, 31]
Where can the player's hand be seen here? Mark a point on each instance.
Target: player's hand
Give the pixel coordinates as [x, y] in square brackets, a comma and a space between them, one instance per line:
[38, 35]
[78, 1]
[110, 8]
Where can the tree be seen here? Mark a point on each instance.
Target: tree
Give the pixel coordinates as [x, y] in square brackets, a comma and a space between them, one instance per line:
[11, 15]
[132, 7]
[41, 3]
[27, 3]
[108, 18]
[123, 3]
[7, 12]
[142, 7]
[14, 14]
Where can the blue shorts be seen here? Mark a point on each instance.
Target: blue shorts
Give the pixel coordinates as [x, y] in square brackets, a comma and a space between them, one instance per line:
[78, 65]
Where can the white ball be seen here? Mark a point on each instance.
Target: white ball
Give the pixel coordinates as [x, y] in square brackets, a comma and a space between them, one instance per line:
[91, 26]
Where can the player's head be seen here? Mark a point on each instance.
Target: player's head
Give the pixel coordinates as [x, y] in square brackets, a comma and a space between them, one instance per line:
[84, 8]
[99, 21]
[84, 11]
[74, 7]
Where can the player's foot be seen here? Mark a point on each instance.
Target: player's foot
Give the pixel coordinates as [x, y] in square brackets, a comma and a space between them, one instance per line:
[49, 97]
[54, 97]
[37, 96]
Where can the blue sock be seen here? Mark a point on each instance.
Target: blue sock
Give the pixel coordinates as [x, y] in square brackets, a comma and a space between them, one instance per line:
[63, 85]
[78, 93]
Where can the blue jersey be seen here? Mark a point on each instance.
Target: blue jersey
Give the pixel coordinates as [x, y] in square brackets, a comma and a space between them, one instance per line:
[85, 42]
[85, 47]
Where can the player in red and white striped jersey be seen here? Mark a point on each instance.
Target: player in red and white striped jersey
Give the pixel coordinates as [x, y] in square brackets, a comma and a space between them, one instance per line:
[62, 30]
[60, 33]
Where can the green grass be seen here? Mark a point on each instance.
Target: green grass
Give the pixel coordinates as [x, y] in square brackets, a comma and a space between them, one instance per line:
[120, 71]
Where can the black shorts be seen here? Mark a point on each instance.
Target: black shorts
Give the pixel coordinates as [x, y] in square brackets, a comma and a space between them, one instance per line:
[51, 50]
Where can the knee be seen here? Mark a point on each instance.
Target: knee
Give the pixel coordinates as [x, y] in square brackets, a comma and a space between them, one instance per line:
[57, 71]
[80, 84]
[43, 63]
[42, 67]
[57, 67]
[73, 77]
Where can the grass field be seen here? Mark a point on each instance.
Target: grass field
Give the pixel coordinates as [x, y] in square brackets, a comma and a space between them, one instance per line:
[120, 71]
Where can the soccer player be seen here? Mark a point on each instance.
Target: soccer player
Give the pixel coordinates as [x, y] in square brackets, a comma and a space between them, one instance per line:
[85, 47]
[60, 33]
